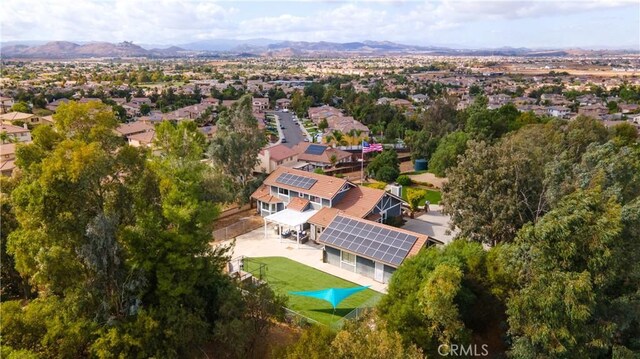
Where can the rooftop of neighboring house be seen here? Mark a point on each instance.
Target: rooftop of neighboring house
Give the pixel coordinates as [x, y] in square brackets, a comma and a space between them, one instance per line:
[130, 128]
[7, 149]
[279, 152]
[315, 152]
[143, 137]
[15, 116]
[13, 129]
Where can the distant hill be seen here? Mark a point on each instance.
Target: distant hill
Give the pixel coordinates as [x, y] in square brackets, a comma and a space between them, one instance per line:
[66, 49]
[266, 47]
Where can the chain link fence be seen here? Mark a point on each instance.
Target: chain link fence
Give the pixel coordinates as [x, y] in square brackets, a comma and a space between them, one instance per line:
[244, 225]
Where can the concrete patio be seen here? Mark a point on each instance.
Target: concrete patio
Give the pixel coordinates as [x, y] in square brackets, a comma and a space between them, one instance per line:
[434, 223]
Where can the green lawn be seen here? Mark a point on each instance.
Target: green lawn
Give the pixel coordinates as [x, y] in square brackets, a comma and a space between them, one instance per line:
[432, 196]
[285, 275]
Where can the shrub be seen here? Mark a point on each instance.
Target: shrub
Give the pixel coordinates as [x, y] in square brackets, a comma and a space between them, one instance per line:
[387, 174]
[404, 180]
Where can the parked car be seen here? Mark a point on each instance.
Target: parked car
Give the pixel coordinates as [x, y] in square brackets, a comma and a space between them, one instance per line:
[306, 139]
[284, 140]
[282, 127]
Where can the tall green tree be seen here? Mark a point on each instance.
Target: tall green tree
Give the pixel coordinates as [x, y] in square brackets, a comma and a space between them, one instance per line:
[435, 296]
[116, 243]
[495, 189]
[385, 166]
[446, 155]
[234, 148]
[578, 270]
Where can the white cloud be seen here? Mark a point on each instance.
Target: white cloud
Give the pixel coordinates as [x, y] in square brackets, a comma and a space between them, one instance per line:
[179, 21]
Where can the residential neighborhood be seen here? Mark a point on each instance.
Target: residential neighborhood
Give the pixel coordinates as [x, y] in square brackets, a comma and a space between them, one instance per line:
[244, 180]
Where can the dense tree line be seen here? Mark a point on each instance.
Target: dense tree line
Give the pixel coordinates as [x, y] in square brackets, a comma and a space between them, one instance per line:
[546, 263]
[105, 248]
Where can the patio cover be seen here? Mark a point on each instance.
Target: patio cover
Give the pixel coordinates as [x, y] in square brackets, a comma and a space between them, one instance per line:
[289, 217]
[332, 295]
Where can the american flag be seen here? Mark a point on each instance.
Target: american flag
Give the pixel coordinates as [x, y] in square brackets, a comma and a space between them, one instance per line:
[371, 147]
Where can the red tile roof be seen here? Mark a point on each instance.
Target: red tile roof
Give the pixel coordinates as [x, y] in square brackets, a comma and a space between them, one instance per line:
[279, 152]
[263, 194]
[324, 157]
[298, 204]
[325, 186]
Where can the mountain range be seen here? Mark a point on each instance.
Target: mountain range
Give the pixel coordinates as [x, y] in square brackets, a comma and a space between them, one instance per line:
[260, 47]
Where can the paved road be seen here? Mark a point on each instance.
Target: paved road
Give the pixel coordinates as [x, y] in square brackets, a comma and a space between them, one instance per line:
[292, 132]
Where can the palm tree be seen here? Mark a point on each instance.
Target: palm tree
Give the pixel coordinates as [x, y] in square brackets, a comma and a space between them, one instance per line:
[333, 160]
[328, 138]
[5, 138]
[339, 137]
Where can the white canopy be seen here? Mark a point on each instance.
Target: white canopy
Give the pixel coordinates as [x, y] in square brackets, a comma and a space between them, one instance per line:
[290, 217]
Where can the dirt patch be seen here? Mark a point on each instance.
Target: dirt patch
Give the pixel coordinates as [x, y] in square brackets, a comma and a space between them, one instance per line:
[430, 178]
[237, 223]
[227, 219]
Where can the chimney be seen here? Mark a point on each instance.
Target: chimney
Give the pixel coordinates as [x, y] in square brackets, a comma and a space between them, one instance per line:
[25, 126]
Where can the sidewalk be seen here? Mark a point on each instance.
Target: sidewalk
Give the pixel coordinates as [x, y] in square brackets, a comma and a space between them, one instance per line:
[253, 244]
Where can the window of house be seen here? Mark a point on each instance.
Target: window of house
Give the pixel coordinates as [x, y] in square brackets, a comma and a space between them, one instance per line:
[315, 199]
[283, 191]
[348, 258]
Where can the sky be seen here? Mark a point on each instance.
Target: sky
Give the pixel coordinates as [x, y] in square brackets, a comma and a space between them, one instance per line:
[598, 24]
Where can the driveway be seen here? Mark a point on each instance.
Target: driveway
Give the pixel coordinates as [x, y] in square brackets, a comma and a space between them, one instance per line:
[291, 131]
[254, 244]
[435, 224]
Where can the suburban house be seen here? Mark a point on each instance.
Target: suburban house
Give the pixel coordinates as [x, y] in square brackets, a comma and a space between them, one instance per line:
[558, 111]
[344, 217]
[346, 124]
[7, 158]
[138, 134]
[320, 156]
[16, 133]
[325, 196]
[283, 103]
[401, 103]
[316, 114]
[5, 104]
[595, 111]
[144, 139]
[260, 104]
[368, 248]
[272, 157]
[53, 105]
[419, 98]
[13, 117]
[139, 101]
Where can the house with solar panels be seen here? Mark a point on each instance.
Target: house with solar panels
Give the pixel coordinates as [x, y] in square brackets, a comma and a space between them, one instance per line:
[326, 195]
[347, 219]
[319, 156]
[369, 248]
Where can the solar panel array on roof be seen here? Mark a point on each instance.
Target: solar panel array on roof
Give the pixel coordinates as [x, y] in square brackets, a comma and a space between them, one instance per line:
[315, 150]
[296, 181]
[381, 244]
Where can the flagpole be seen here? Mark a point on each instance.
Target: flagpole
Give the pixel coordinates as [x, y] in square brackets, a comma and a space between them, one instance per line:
[362, 163]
